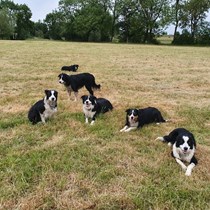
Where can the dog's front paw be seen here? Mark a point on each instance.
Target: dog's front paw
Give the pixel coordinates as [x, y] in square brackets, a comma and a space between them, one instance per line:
[184, 168]
[92, 122]
[188, 172]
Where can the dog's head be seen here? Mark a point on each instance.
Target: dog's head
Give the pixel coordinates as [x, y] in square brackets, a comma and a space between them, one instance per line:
[75, 66]
[51, 96]
[185, 142]
[62, 78]
[88, 101]
[132, 115]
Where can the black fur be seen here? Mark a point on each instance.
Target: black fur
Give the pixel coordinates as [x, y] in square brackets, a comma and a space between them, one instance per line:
[175, 136]
[183, 148]
[93, 106]
[145, 116]
[137, 118]
[70, 68]
[75, 82]
[45, 108]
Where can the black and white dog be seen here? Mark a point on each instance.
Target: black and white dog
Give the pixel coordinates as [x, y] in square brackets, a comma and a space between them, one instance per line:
[70, 68]
[75, 82]
[45, 108]
[183, 148]
[93, 106]
[137, 118]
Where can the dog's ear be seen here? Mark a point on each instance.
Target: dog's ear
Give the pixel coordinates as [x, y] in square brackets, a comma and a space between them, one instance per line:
[56, 93]
[193, 140]
[83, 97]
[127, 110]
[94, 98]
[46, 91]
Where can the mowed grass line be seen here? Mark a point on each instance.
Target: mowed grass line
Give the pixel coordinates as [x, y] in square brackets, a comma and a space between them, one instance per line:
[67, 164]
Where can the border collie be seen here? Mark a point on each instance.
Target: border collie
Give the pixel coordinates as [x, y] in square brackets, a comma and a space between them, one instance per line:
[137, 118]
[183, 148]
[75, 82]
[45, 108]
[93, 106]
[70, 68]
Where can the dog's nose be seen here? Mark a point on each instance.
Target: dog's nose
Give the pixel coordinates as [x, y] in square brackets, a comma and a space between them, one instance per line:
[86, 102]
[53, 99]
[185, 148]
[131, 117]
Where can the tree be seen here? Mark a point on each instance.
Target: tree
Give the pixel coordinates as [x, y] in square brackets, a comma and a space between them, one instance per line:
[7, 19]
[93, 24]
[194, 15]
[24, 25]
[40, 30]
[86, 20]
[6, 25]
[190, 15]
[55, 24]
[19, 17]
[155, 14]
[204, 34]
[127, 11]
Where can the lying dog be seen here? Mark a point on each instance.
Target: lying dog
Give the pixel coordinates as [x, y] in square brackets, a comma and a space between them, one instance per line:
[70, 68]
[45, 108]
[75, 82]
[183, 148]
[93, 106]
[137, 118]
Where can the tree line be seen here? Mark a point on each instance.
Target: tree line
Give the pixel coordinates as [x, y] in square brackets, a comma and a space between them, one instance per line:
[128, 21]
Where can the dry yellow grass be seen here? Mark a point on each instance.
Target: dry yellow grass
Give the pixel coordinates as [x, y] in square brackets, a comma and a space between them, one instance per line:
[66, 164]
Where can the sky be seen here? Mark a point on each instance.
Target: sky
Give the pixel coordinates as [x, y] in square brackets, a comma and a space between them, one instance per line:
[40, 8]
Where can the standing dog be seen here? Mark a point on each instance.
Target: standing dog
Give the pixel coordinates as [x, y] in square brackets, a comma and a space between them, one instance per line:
[93, 106]
[137, 118]
[70, 68]
[75, 82]
[45, 108]
[183, 148]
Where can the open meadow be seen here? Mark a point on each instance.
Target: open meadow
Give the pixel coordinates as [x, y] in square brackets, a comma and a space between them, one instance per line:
[69, 165]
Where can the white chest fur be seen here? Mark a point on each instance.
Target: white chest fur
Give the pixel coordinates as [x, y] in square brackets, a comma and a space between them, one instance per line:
[183, 156]
[88, 112]
[49, 111]
[133, 124]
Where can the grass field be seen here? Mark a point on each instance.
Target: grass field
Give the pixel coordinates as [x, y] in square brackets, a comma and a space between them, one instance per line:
[66, 164]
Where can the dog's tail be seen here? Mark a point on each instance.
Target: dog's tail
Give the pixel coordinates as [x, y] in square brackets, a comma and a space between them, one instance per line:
[160, 138]
[164, 139]
[160, 118]
[97, 86]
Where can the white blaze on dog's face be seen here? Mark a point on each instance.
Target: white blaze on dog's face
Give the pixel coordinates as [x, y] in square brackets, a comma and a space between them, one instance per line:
[132, 115]
[51, 95]
[185, 143]
[88, 102]
[61, 79]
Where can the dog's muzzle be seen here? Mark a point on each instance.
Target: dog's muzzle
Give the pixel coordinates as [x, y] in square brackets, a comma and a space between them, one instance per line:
[185, 150]
[61, 81]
